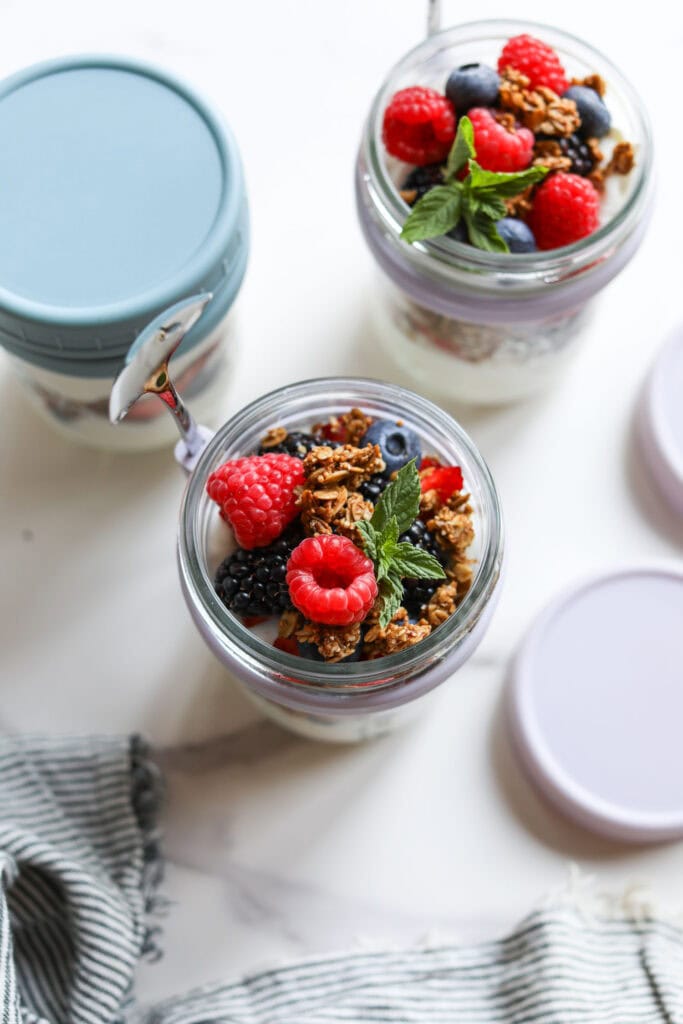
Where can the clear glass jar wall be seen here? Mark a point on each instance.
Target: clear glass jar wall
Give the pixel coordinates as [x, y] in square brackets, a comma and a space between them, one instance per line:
[338, 702]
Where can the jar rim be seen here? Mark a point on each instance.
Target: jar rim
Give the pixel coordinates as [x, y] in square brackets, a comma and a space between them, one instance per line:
[448, 256]
[293, 672]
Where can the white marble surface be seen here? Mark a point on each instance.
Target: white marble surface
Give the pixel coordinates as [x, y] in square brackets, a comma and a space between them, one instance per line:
[278, 847]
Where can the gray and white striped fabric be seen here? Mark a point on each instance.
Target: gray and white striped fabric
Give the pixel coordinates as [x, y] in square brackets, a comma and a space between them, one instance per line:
[79, 865]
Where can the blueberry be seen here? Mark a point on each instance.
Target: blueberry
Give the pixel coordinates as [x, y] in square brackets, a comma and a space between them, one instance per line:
[595, 117]
[398, 445]
[472, 85]
[517, 234]
[311, 651]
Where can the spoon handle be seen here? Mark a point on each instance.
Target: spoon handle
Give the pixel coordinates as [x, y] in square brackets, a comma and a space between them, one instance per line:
[161, 384]
[433, 17]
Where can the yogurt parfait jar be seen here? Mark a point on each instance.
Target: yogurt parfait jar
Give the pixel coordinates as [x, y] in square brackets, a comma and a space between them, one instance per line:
[344, 701]
[488, 327]
[123, 194]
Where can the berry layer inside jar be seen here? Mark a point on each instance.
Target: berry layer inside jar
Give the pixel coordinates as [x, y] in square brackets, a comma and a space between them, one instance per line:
[346, 473]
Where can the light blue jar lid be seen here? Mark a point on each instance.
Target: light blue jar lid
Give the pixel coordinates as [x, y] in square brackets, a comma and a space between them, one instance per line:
[122, 192]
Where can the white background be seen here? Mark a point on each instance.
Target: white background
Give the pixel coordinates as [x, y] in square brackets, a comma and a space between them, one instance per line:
[278, 847]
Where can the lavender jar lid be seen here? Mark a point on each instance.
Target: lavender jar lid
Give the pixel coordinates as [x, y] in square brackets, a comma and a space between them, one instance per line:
[660, 420]
[595, 704]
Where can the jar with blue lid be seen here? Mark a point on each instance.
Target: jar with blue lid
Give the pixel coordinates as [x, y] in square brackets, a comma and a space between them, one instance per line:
[122, 194]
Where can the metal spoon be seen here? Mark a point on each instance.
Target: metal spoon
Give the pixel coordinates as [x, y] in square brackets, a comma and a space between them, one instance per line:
[146, 373]
[433, 17]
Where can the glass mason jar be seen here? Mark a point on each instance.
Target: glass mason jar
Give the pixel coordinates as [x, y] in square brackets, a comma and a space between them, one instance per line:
[486, 327]
[77, 406]
[344, 702]
[125, 195]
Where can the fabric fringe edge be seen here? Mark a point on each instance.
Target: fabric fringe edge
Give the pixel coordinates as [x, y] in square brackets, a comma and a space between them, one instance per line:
[147, 794]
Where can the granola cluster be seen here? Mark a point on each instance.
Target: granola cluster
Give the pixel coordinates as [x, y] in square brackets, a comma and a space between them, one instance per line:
[273, 437]
[540, 110]
[622, 161]
[399, 634]
[443, 604]
[334, 643]
[351, 426]
[329, 500]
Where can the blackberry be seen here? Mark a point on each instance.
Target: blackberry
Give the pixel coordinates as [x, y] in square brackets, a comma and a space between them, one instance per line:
[422, 179]
[253, 582]
[372, 488]
[297, 444]
[579, 154]
[417, 593]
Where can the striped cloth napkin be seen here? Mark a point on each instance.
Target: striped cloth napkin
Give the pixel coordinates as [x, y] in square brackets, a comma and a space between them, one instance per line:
[79, 866]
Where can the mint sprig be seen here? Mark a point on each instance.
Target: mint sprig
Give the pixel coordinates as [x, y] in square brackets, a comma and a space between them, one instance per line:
[395, 512]
[478, 200]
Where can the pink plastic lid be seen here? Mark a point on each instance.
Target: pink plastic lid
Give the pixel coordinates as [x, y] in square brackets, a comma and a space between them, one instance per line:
[661, 420]
[595, 703]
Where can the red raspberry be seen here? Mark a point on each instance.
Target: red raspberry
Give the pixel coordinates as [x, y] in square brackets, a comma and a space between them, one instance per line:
[330, 580]
[566, 207]
[444, 479]
[536, 60]
[498, 148]
[256, 495]
[419, 126]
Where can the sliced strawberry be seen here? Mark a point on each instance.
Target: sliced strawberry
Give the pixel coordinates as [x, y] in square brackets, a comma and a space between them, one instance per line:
[334, 432]
[445, 480]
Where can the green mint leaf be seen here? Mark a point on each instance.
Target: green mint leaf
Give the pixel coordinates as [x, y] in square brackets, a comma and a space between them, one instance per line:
[437, 212]
[391, 592]
[369, 538]
[488, 205]
[482, 232]
[400, 499]
[462, 149]
[395, 512]
[416, 563]
[386, 547]
[500, 184]
[390, 535]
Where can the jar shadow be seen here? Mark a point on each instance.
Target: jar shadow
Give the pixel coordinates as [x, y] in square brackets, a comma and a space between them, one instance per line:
[651, 503]
[537, 815]
[56, 464]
